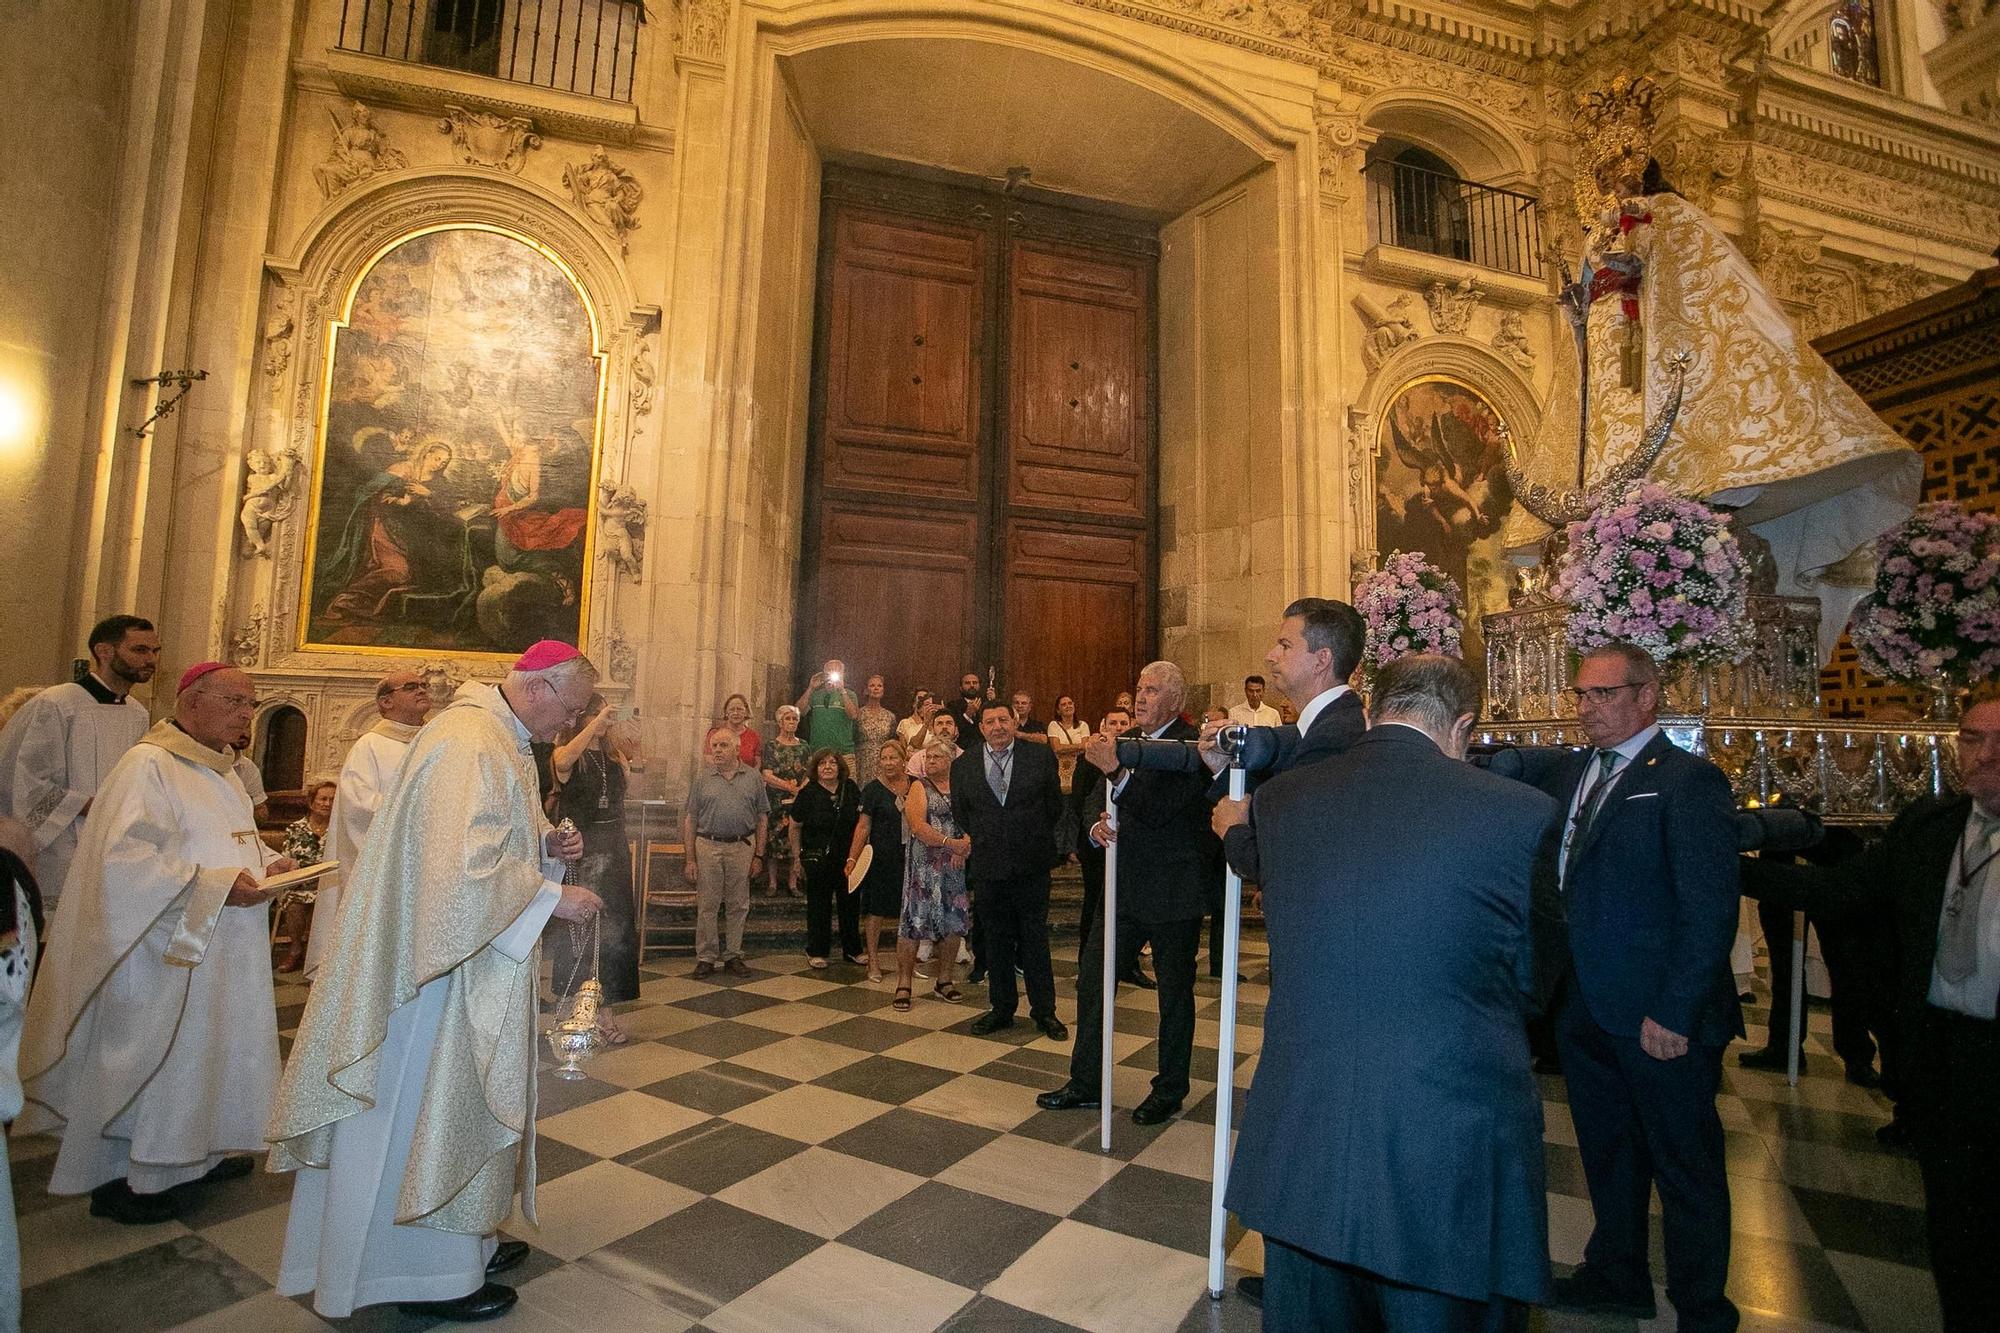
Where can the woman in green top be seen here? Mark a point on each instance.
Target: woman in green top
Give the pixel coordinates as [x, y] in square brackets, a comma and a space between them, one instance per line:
[828, 711]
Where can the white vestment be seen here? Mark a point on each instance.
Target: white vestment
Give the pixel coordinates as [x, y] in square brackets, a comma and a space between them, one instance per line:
[364, 782]
[149, 1042]
[365, 1225]
[54, 754]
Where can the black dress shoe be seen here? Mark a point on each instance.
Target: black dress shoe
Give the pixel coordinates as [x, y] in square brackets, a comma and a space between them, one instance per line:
[1585, 1290]
[1251, 1288]
[507, 1254]
[1053, 1029]
[230, 1168]
[1771, 1058]
[115, 1200]
[990, 1022]
[976, 975]
[1155, 1110]
[1069, 1097]
[489, 1302]
[1863, 1076]
[1137, 978]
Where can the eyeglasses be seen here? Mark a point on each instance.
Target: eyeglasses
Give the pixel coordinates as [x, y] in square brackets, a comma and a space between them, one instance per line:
[1601, 693]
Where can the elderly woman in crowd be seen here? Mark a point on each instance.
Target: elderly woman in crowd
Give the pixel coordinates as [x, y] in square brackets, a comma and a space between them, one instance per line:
[936, 902]
[824, 815]
[784, 767]
[736, 716]
[305, 843]
[593, 766]
[881, 830]
[873, 724]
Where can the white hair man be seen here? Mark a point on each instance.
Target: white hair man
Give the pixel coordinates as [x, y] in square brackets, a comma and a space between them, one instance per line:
[408, 1107]
[149, 1044]
[365, 778]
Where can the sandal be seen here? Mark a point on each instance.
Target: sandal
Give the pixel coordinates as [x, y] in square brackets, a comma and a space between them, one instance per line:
[947, 992]
[901, 1004]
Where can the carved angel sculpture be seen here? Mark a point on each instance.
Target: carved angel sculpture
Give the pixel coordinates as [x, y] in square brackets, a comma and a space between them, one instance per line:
[267, 496]
[360, 150]
[621, 527]
[1388, 327]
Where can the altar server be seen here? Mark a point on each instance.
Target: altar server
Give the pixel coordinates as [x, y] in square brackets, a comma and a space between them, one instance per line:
[149, 1043]
[408, 1107]
[60, 746]
[372, 765]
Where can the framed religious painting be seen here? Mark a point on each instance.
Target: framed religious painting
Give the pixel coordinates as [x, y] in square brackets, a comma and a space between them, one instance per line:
[1441, 488]
[456, 462]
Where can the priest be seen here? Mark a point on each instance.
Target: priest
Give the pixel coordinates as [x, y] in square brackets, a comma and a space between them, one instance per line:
[408, 1107]
[371, 767]
[62, 743]
[149, 1043]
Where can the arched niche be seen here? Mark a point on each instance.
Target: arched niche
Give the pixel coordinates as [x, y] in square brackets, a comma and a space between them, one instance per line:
[1480, 146]
[316, 282]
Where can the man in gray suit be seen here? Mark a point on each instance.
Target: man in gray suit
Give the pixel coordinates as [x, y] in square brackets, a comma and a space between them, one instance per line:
[1392, 1146]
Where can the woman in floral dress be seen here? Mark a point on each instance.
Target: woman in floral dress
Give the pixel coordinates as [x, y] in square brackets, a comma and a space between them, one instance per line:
[784, 768]
[936, 903]
[873, 724]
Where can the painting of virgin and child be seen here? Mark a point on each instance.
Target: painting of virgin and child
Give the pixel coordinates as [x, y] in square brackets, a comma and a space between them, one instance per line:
[452, 505]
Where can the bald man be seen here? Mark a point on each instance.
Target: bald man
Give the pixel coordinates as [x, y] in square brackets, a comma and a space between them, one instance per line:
[364, 782]
[149, 1045]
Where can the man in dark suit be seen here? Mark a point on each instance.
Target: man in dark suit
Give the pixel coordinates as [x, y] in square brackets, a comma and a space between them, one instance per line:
[1318, 647]
[1006, 798]
[1937, 872]
[1162, 825]
[1646, 1001]
[1391, 1150]
[1087, 791]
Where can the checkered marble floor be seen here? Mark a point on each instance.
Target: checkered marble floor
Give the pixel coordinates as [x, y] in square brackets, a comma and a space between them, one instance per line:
[786, 1152]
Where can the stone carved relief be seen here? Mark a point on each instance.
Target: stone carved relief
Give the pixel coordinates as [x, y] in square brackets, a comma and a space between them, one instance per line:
[1886, 287]
[482, 139]
[1361, 485]
[1875, 197]
[270, 493]
[1819, 296]
[441, 681]
[607, 193]
[360, 150]
[1339, 133]
[247, 640]
[1260, 25]
[278, 331]
[1511, 340]
[624, 663]
[1389, 327]
[621, 529]
[1384, 67]
[700, 27]
[1698, 164]
[1451, 304]
[643, 375]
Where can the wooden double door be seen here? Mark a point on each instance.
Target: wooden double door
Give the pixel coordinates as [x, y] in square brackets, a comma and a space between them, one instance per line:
[980, 489]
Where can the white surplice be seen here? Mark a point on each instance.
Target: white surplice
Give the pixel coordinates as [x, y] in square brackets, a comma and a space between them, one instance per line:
[364, 781]
[54, 754]
[149, 1043]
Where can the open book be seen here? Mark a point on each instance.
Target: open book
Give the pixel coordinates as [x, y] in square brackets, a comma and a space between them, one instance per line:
[302, 875]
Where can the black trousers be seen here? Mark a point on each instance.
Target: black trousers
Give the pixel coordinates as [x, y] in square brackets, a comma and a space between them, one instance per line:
[1852, 950]
[1012, 915]
[1303, 1291]
[1175, 944]
[826, 891]
[1958, 1150]
[1642, 1123]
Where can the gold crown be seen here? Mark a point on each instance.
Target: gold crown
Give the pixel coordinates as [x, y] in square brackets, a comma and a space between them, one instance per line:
[1613, 128]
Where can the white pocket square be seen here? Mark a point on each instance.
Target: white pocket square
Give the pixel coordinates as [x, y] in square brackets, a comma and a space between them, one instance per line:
[1643, 796]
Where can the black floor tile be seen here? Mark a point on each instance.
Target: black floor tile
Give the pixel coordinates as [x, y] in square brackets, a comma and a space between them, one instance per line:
[1862, 1226]
[1812, 1124]
[709, 1158]
[726, 1003]
[853, 1000]
[987, 1315]
[1159, 1206]
[205, 1205]
[866, 1034]
[1020, 1034]
[1203, 1111]
[154, 1288]
[718, 1088]
[886, 1080]
[911, 1141]
[724, 1038]
[1080, 1129]
[1564, 1168]
[31, 1184]
[555, 1095]
[1054, 1063]
[951, 1233]
[709, 1253]
[1007, 1071]
[555, 1159]
[1231, 1314]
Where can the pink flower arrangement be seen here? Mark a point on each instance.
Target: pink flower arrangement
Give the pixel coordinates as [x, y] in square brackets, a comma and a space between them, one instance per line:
[1410, 606]
[1934, 617]
[1659, 570]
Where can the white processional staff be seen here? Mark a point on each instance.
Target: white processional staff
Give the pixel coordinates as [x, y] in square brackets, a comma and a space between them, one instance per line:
[1225, 1054]
[1109, 930]
[1798, 988]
